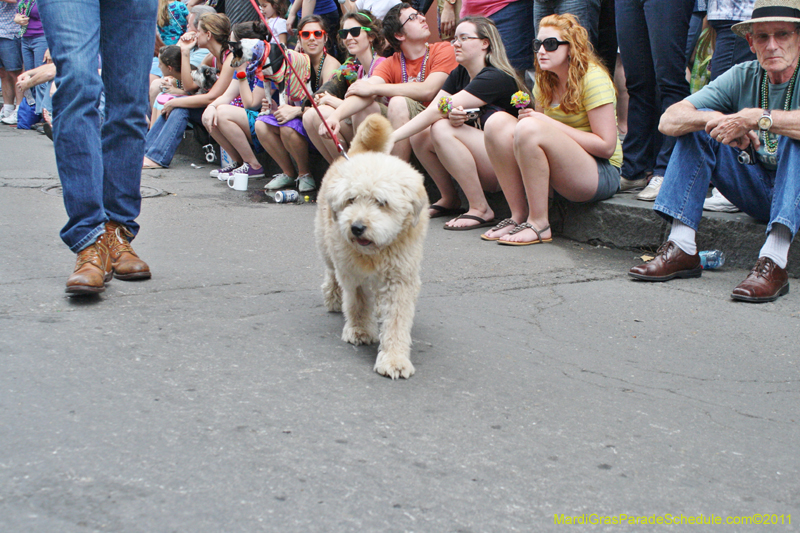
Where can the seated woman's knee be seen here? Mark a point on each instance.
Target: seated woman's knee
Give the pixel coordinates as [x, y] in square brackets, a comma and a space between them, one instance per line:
[531, 131]
[398, 110]
[310, 119]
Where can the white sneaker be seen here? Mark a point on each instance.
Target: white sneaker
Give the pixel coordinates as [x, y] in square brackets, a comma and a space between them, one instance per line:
[717, 202]
[305, 183]
[224, 170]
[651, 191]
[11, 118]
[279, 181]
[3, 113]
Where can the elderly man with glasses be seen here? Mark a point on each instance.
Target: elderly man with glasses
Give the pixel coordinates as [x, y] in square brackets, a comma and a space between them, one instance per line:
[742, 133]
[410, 78]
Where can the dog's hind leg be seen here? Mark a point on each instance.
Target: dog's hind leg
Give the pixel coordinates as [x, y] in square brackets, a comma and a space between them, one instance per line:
[397, 304]
[360, 324]
[331, 291]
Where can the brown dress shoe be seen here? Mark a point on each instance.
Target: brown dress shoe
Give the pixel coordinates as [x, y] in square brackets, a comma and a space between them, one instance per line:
[127, 265]
[92, 269]
[670, 262]
[766, 283]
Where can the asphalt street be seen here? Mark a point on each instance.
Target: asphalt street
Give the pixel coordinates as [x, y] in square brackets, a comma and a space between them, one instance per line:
[218, 396]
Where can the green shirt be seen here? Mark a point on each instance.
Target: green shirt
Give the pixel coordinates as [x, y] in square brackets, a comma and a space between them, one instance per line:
[737, 89]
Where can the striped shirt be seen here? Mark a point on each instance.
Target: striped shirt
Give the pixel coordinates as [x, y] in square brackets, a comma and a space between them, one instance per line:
[598, 89]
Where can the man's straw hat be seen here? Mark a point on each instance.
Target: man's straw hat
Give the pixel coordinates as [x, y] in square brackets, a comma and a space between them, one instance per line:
[770, 11]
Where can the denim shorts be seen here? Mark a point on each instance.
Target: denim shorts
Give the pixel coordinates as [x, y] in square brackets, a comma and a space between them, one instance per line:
[607, 180]
[11, 54]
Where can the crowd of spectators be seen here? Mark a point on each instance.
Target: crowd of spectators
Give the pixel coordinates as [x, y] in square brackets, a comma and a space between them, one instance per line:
[459, 97]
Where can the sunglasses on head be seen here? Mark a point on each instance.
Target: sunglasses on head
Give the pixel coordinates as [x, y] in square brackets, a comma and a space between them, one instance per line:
[550, 44]
[305, 34]
[355, 31]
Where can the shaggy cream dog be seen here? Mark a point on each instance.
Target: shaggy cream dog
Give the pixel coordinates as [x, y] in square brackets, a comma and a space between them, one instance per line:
[372, 218]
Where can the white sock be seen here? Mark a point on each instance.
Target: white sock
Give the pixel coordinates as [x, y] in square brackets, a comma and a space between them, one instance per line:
[8, 108]
[683, 236]
[777, 245]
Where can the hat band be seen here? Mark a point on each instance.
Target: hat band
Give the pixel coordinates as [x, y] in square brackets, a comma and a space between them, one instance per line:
[776, 11]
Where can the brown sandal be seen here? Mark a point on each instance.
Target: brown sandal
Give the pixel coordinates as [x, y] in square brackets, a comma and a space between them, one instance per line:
[503, 223]
[524, 226]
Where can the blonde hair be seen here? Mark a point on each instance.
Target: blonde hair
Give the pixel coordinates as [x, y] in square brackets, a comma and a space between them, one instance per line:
[163, 13]
[496, 53]
[581, 56]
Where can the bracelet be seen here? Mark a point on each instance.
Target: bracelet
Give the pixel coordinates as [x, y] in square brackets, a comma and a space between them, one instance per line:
[241, 75]
[178, 84]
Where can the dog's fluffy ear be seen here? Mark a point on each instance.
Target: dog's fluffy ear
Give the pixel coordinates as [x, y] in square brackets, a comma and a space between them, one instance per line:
[372, 135]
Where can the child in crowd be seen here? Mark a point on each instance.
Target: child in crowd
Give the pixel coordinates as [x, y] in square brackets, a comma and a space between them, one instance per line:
[169, 62]
[568, 143]
[274, 11]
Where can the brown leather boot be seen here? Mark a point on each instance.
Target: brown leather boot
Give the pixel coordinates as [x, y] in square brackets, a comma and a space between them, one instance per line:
[127, 265]
[92, 269]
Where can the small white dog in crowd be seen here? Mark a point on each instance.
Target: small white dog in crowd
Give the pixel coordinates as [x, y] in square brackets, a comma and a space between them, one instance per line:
[372, 218]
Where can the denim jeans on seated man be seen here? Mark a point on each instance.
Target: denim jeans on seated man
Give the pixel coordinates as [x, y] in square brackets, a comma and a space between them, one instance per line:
[766, 195]
[166, 134]
[100, 170]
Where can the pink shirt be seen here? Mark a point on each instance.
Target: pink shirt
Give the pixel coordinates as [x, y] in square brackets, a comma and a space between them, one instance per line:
[484, 8]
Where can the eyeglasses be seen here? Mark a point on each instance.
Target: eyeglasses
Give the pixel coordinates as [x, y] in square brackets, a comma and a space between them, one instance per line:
[354, 31]
[412, 16]
[463, 38]
[780, 37]
[550, 44]
[316, 33]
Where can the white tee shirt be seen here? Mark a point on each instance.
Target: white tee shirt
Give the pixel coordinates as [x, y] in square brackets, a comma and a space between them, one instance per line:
[379, 8]
[277, 25]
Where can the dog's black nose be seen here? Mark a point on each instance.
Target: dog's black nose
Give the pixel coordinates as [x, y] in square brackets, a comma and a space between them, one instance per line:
[357, 229]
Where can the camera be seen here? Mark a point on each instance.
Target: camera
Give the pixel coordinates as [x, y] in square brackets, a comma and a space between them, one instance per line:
[473, 114]
[747, 156]
[210, 155]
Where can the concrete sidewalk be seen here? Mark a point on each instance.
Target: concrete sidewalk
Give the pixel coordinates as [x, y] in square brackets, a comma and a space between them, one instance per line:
[218, 396]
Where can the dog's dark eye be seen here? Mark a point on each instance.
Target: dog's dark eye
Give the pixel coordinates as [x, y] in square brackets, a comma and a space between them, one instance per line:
[382, 203]
[350, 201]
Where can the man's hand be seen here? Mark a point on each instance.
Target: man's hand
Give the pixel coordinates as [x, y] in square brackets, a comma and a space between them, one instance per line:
[23, 82]
[730, 129]
[447, 23]
[360, 88]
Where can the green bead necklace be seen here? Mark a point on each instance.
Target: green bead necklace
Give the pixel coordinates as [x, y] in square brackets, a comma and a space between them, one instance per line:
[770, 145]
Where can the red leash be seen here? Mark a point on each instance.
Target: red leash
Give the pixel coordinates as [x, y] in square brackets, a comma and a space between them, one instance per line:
[303, 85]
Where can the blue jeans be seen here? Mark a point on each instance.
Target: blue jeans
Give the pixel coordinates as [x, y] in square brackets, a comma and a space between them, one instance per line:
[100, 168]
[517, 34]
[766, 195]
[652, 42]
[33, 49]
[165, 134]
[586, 11]
[729, 49]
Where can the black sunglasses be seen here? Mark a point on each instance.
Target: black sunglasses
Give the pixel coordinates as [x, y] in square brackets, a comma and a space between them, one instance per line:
[355, 32]
[551, 44]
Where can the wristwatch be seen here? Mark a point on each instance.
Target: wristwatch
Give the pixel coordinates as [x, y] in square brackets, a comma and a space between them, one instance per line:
[765, 122]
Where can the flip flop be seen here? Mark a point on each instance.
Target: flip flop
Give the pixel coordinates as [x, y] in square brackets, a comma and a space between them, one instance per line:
[502, 224]
[445, 211]
[527, 225]
[481, 223]
[151, 167]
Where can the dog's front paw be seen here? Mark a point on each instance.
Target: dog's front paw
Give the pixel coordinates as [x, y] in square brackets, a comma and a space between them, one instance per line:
[393, 366]
[358, 336]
